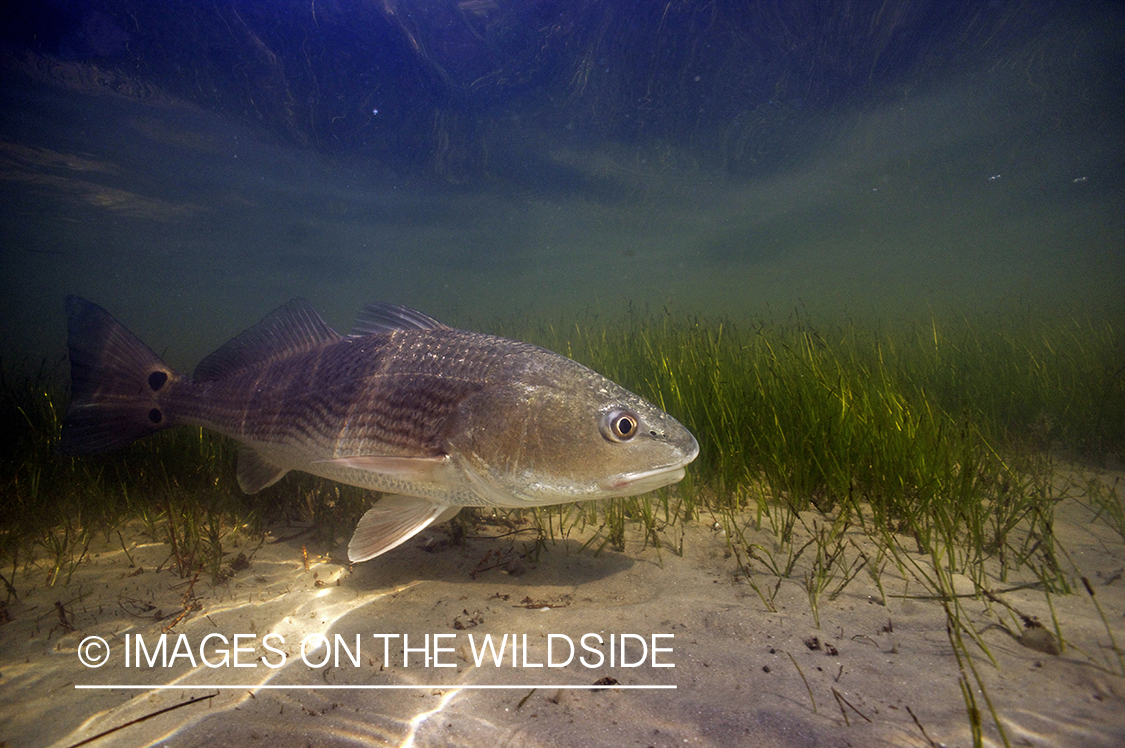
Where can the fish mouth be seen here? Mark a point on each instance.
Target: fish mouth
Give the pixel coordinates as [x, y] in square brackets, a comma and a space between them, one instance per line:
[643, 481]
[631, 484]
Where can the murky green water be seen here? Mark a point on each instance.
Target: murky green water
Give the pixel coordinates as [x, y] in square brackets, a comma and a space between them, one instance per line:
[991, 184]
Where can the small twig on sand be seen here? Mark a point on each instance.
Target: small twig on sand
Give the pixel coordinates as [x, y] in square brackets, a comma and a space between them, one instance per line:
[138, 720]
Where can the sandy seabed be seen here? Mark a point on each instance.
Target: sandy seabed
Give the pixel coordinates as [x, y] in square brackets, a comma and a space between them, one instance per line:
[875, 672]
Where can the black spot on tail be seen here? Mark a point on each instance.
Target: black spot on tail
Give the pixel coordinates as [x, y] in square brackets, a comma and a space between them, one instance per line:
[156, 380]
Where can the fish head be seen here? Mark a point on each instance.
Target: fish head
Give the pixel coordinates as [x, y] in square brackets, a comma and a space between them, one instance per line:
[559, 432]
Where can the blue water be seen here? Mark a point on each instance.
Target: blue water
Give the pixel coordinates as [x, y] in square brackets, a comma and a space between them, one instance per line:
[192, 167]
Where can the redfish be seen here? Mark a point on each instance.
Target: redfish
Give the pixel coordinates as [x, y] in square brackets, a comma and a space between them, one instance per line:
[435, 417]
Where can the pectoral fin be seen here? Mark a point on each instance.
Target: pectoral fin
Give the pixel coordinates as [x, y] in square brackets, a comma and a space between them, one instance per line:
[391, 522]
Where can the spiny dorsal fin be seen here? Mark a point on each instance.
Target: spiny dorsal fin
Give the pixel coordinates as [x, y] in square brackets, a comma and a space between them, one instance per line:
[294, 327]
[379, 317]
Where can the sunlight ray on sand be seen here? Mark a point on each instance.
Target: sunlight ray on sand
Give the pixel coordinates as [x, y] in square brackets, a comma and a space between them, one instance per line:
[291, 615]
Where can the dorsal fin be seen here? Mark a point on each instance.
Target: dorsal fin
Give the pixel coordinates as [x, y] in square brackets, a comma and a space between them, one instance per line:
[294, 327]
[380, 317]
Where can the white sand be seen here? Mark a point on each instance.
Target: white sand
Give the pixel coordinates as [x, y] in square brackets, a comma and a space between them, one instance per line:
[736, 662]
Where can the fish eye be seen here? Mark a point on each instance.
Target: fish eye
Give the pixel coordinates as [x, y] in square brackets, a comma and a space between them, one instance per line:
[619, 425]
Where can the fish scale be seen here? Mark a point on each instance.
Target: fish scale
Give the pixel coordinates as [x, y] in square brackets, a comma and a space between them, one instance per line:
[383, 392]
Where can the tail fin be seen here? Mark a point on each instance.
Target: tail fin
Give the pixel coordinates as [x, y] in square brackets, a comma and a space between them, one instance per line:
[115, 383]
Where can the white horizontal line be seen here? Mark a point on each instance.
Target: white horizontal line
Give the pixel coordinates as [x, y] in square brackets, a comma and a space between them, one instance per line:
[367, 687]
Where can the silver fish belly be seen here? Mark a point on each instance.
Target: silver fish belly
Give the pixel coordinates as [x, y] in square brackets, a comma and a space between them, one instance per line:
[439, 418]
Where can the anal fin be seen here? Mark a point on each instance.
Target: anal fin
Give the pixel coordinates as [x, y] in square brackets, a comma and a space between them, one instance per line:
[391, 522]
[256, 472]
